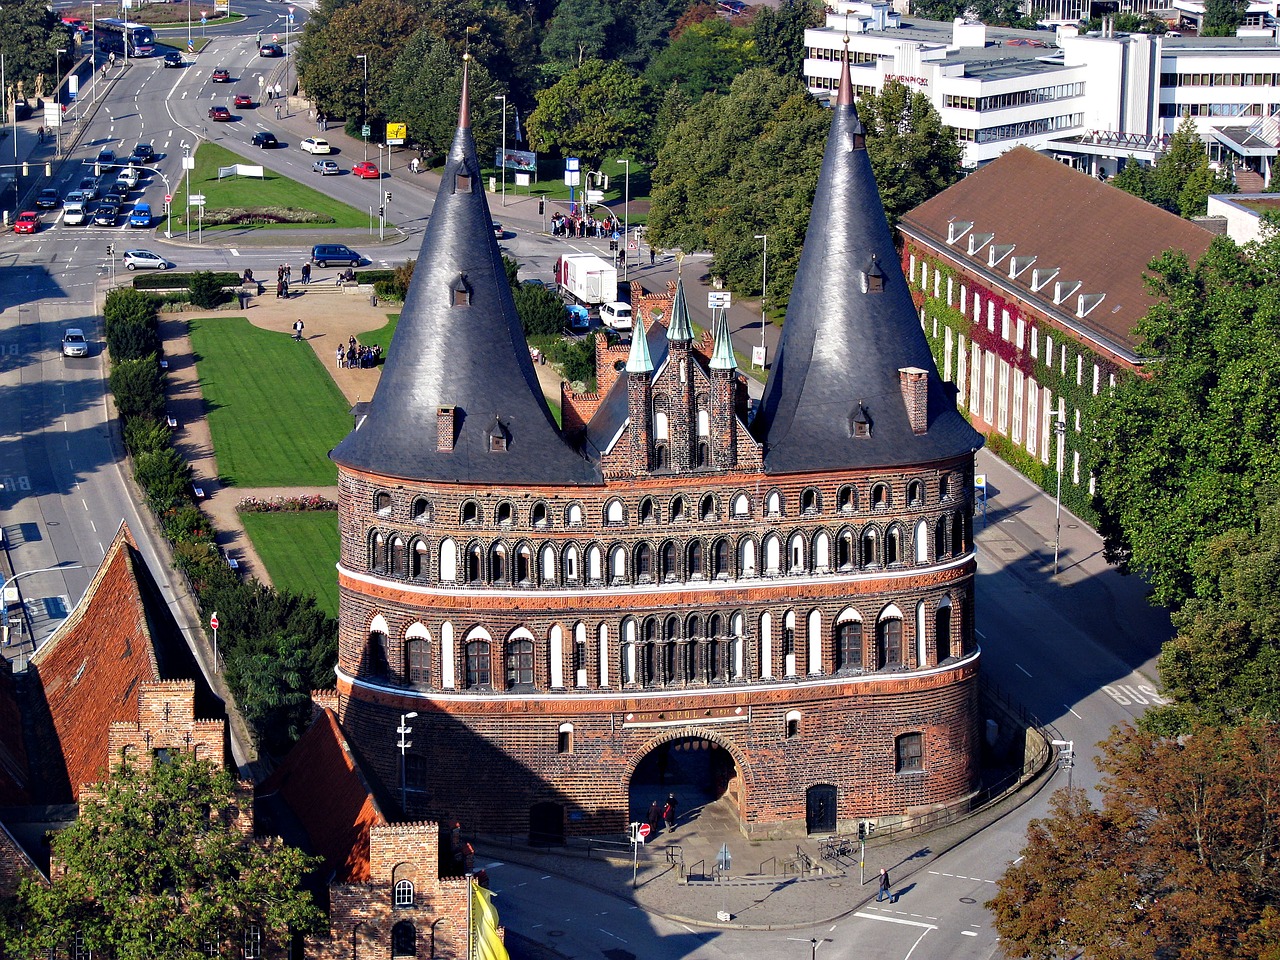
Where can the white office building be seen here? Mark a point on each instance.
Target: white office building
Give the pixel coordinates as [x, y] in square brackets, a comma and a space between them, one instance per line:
[1090, 101]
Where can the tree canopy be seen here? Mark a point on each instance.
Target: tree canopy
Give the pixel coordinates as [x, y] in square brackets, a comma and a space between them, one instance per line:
[629, 33]
[707, 56]
[913, 154]
[1222, 17]
[1181, 180]
[592, 110]
[1178, 861]
[160, 863]
[30, 35]
[779, 34]
[1181, 452]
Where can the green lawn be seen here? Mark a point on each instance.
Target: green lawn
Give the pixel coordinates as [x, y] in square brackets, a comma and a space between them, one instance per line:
[273, 191]
[274, 411]
[382, 335]
[300, 551]
[551, 186]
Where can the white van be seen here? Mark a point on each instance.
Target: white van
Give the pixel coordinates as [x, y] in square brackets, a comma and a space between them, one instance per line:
[73, 213]
[616, 315]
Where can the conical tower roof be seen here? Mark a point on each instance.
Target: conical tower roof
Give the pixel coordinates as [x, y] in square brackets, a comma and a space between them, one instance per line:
[459, 344]
[680, 328]
[844, 341]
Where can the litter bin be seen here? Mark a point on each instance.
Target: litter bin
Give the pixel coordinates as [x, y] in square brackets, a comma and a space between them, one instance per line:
[244, 299]
[373, 299]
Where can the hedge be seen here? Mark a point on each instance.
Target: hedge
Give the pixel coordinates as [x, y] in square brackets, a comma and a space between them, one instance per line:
[164, 280]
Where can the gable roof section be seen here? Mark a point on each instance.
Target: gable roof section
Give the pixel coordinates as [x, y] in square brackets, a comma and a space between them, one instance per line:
[843, 343]
[323, 787]
[87, 674]
[472, 357]
[1093, 233]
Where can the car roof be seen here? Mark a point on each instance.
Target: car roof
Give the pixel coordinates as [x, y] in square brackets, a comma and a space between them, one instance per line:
[74, 331]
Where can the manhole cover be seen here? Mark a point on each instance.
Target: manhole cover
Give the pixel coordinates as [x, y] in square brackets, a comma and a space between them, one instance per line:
[968, 900]
[555, 933]
[835, 883]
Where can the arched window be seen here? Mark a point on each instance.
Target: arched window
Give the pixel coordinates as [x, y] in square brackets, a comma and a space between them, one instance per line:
[404, 940]
[564, 738]
[524, 564]
[957, 534]
[844, 550]
[418, 560]
[618, 564]
[720, 558]
[572, 569]
[382, 503]
[661, 424]
[477, 668]
[707, 508]
[893, 545]
[398, 557]
[915, 493]
[870, 547]
[475, 564]
[791, 727]
[942, 631]
[404, 894]
[693, 556]
[417, 661]
[376, 655]
[704, 454]
[848, 645]
[595, 563]
[520, 664]
[772, 554]
[678, 509]
[747, 558]
[940, 538]
[847, 500]
[644, 562]
[580, 655]
[661, 457]
[789, 644]
[470, 511]
[670, 565]
[547, 564]
[378, 553]
[909, 751]
[498, 563]
[613, 512]
[809, 501]
[795, 553]
[648, 512]
[944, 486]
[448, 560]
[421, 511]
[888, 644]
[505, 514]
[538, 514]
[773, 504]
[741, 506]
[879, 497]
[573, 515]
[922, 541]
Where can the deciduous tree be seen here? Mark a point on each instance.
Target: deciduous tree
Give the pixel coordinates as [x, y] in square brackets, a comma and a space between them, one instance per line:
[593, 109]
[1222, 17]
[159, 864]
[779, 34]
[1178, 861]
[707, 56]
[30, 35]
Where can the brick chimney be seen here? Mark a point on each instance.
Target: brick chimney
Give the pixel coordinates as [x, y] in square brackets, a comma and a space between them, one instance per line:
[446, 427]
[915, 394]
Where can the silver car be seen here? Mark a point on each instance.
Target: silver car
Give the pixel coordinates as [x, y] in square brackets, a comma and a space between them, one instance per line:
[144, 260]
[74, 343]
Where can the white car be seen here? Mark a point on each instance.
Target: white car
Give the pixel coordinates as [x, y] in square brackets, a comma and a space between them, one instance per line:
[616, 316]
[74, 213]
[145, 260]
[74, 343]
[130, 176]
[315, 145]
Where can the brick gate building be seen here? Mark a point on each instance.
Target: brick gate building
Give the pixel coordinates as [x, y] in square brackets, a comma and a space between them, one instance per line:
[793, 595]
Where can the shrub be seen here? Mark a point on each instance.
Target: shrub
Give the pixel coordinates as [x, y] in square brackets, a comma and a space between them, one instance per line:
[170, 280]
[541, 311]
[138, 387]
[206, 290]
[130, 321]
[187, 524]
[144, 434]
[577, 359]
[165, 476]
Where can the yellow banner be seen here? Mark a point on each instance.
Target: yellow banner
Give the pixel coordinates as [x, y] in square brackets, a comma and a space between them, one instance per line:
[486, 943]
[397, 132]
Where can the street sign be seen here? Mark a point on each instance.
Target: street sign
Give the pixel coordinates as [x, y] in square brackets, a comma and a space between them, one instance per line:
[197, 198]
[188, 162]
[633, 245]
[594, 196]
[213, 621]
[365, 131]
[643, 831]
[980, 481]
[397, 133]
[275, 38]
[168, 198]
[719, 301]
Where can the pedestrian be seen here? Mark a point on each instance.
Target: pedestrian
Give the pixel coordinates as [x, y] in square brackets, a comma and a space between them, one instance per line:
[277, 111]
[278, 89]
[279, 289]
[320, 122]
[342, 355]
[884, 885]
[269, 93]
[288, 271]
[311, 114]
[413, 165]
[653, 257]
[284, 288]
[280, 272]
[669, 815]
[297, 330]
[306, 274]
[655, 813]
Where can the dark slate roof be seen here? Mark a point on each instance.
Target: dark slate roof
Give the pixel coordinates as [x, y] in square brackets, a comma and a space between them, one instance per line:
[841, 346]
[612, 415]
[474, 358]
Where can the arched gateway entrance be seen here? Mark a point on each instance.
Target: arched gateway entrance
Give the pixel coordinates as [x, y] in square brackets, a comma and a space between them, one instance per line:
[702, 774]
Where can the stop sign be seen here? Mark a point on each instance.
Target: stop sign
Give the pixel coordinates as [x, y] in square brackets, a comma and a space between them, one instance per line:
[168, 198]
[644, 830]
[213, 622]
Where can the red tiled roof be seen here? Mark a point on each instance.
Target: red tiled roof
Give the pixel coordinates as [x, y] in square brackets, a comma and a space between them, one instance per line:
[323, 787]
[1091, 231]
[90, 669]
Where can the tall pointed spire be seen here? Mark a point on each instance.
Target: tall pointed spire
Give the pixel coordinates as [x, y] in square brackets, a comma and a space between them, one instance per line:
[638, 360]
[464, 105]
[458, 369]
[851, 327]
[722, 357]
[680, 329]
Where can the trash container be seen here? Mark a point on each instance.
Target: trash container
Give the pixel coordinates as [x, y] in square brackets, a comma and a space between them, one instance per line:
[244, 299]
[373, 299]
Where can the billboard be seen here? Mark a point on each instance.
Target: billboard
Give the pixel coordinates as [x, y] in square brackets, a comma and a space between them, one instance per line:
[397, 133]
[525, 160]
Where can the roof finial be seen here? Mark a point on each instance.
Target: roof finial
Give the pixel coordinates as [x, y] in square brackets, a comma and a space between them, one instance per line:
[844, 96]
[464, 108]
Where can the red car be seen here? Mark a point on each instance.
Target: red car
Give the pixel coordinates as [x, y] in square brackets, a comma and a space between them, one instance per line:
[244, 100]
[366, 170]
[221, 75]
[27, 222]
[219, 113]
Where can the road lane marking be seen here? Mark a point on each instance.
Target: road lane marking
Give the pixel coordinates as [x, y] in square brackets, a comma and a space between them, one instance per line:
[95, 527]
[1022, 668]
[1073, 713]
[901, 920]
[980, 634]
[608, 934]
[968, 933]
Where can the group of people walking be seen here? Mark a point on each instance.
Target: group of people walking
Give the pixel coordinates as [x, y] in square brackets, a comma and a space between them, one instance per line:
[661, 814]
[359, 356]
[572, 225]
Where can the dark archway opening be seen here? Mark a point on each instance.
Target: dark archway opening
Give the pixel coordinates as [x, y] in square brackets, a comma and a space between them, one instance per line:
[699, 773]
[546, 825]
[820, 808]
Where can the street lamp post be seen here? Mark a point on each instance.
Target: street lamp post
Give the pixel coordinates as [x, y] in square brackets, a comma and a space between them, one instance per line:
[404, 746]
[288, 37]
[502, 157]
[364, 103]
[764, 292]
[1059, 428]
[186, 169]
[626, 216]
[191, 45]
[57, 143]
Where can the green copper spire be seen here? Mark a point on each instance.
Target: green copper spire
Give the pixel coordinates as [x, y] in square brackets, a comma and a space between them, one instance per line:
[638, 360]
[722, 357]
[681, 329]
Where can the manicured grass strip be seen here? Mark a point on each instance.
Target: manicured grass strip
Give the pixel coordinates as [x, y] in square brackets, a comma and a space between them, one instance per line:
[300, 551]
[272, 191]
[382, 335]
[274, 411]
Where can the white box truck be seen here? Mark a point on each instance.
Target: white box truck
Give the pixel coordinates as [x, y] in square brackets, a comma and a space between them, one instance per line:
[587, 279]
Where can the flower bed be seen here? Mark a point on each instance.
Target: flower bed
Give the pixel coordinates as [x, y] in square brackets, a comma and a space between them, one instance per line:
[285, 504]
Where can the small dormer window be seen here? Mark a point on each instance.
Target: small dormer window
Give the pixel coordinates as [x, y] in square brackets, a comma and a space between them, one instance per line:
[873, 277]
[860, 423]
[462, 183]
[461, 291]
[497, 437]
